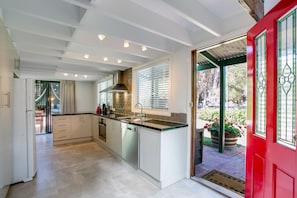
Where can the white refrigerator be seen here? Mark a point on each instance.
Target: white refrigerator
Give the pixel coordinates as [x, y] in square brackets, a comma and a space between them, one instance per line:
[24, 144]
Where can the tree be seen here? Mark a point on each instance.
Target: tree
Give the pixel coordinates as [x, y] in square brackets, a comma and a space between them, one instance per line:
[236, 81]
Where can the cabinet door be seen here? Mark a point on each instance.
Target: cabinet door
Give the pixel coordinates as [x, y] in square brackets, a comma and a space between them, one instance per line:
[108, 133]
[76, 126]
[61, 127]
[95, 130]
[116, 135]
[149, 152]
[86, 126]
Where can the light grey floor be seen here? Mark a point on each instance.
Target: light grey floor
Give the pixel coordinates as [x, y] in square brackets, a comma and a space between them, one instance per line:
[88, 170]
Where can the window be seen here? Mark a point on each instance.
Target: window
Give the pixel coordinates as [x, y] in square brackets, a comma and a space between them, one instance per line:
[152, 86]
[104, 97]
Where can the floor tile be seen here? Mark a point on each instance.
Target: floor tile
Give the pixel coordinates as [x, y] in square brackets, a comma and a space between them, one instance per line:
[86, 170]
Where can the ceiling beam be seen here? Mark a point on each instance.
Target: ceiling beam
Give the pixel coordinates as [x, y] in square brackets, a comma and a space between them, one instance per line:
[164, 28]
[198, 15]
[210, 58]
[227, 62]
[254, 7]
[55, 11]
[26, 23]
[113, 27]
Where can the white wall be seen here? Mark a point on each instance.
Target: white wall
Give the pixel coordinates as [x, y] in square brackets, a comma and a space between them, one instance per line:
[180, 81]
[7, 55]
[181, 90]
[84, 95]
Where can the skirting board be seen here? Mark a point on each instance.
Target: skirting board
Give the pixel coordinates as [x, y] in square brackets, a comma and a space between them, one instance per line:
[72, 141]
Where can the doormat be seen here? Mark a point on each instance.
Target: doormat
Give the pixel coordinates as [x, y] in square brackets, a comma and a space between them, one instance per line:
[227, 181]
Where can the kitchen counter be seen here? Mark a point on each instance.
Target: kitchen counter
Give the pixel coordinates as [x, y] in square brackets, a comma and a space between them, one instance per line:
[156, 124]
[152, 123]
[74, 113]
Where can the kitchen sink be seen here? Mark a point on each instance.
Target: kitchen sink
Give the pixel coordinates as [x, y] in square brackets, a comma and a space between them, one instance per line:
[134, 119]
[164, 123]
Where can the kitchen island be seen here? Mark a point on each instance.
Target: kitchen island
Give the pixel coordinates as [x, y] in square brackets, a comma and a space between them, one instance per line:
[74, 127]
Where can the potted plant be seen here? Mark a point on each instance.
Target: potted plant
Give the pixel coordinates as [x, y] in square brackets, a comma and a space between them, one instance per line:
[232, 132]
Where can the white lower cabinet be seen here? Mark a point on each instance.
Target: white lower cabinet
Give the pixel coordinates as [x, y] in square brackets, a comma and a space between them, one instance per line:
[162, 155]
[70, 128]
[149, 148]
[86, 126]
[114, 136]
[95, 128]
[76, 126]
[62, 128]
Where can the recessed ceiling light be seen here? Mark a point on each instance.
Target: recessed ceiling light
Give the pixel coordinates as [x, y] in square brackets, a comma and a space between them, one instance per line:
[119, 61]
[105, 59]
[101, 36]
[143, 48]
[86, 56]
[75, 75]
[126, 43]
[85, 76]
[65, 74]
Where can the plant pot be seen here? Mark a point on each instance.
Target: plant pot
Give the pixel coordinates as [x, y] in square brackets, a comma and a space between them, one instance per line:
[230, 141]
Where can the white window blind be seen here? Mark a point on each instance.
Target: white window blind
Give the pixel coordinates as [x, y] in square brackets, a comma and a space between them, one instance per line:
[152, 86]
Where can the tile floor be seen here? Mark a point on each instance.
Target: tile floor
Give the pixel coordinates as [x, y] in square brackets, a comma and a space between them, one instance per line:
[88, 170]
[231, 161]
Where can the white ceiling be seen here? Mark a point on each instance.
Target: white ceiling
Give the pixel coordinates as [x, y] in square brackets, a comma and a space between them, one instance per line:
[52, 36]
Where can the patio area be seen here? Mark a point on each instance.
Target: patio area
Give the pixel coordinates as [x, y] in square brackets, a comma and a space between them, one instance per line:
[231, 162]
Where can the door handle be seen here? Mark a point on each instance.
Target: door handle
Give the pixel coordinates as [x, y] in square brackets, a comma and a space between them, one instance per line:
[295, 137]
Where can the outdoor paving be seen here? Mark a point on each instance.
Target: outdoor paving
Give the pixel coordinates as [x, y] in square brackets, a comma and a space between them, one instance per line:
[231, 161]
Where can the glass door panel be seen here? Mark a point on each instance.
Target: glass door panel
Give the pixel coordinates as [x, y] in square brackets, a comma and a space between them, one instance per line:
[260, 119]
[286, 75]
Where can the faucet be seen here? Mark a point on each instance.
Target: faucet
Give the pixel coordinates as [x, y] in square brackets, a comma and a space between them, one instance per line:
[141, 108]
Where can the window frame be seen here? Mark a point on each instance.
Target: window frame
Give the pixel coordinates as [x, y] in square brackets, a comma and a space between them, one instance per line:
[137, 109]
[98, 91]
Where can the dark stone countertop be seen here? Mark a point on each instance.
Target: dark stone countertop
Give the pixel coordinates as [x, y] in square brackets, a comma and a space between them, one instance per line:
[160, 125]
[152, 123]
[74, 113]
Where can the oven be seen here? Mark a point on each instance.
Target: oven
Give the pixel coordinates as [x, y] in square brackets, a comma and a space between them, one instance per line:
[102, 129]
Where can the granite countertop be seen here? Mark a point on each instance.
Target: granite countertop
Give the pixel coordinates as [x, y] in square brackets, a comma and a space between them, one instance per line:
[155, 124]
[74, 113]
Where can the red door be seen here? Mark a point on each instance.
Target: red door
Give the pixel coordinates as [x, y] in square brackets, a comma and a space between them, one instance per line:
[271, 162]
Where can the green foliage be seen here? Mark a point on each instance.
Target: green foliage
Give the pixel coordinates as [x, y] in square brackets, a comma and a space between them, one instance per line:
[230, 128]
[236, 77]
[237, 116]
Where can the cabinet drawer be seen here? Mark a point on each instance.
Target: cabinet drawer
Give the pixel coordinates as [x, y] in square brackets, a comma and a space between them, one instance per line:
[61, 125]
[60, 135]
[61, 119]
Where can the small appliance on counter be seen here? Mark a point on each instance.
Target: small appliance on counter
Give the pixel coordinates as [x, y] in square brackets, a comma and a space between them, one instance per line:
[98, 110]
[104, 109]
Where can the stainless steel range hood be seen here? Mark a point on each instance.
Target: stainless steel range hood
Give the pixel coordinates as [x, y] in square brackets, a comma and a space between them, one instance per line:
[118, 85]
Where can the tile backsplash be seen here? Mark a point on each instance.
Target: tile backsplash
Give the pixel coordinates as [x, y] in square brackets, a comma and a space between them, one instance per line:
[122, 102]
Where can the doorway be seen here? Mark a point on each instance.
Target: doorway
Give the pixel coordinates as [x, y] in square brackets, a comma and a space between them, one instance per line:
[220, 96]
[47, 102]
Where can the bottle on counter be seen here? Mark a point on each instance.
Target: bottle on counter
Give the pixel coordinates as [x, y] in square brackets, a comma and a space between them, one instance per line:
[99, 110]
[108, 109]
[104, 109]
